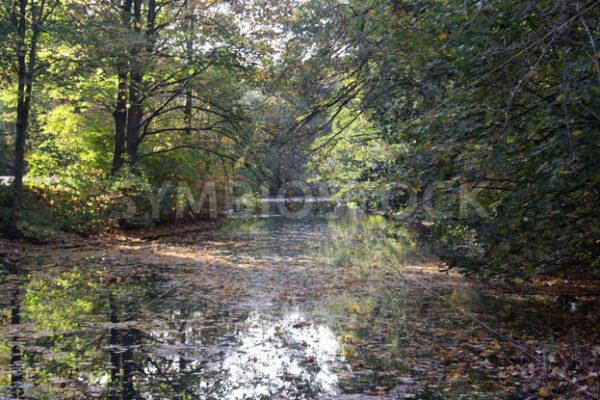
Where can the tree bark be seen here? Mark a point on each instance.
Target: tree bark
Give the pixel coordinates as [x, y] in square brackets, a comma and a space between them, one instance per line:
[189, 47]
[24, 89]
[135, 111]
[120, 112]
[120, 117]
[134, 115]
[187, 112]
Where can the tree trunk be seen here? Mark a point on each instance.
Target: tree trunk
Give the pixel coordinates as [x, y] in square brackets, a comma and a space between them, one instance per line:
[136, 76]
[120, 112]
[189, 47]
[17, 197]
[134, 114]
[24, 90]
[120, 116]
[187, 113]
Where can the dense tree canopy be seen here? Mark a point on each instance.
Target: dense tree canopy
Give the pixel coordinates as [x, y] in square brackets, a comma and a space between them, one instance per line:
[487, 114]
[477, 118]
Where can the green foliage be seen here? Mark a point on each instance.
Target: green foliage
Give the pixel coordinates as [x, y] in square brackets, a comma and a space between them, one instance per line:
[192, 125]
[484, 113]
[497, 106]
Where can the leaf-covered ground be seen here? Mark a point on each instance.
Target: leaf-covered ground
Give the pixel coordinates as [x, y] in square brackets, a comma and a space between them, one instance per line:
[272, 308]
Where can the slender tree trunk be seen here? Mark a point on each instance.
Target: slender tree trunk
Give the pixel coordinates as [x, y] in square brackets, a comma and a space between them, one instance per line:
[134, 115]
[120, 112]
[120, 117]
[24, 90]
[187, 112]
[189, 46]
[136, 76]
[19, 168]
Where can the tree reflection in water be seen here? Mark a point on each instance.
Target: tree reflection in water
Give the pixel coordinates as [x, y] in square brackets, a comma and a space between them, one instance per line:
[16, 374]
[264, 308]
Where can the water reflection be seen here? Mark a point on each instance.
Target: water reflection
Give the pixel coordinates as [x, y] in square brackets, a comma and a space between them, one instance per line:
[256, 309]
[285, 358]
[16, 374]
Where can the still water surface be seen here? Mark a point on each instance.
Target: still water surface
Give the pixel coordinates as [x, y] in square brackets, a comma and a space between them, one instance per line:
[263, 308]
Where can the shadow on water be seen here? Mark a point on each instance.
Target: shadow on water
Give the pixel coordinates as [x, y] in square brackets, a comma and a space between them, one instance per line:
[266, 308]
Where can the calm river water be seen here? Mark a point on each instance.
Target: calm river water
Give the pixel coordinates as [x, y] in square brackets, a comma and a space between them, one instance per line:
[259, 308]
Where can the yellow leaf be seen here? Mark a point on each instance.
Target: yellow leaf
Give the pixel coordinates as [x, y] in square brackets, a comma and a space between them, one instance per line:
[544, 392]
[522, 239]
[577, 132]
[443, 36]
